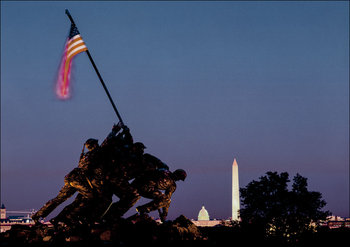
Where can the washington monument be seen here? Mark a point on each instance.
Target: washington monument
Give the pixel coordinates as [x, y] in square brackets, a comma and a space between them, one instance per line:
[235, 191]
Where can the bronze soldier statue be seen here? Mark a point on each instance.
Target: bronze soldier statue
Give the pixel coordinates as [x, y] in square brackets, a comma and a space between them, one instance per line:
[106, 170]
[87, 208]
[151, 187]
[137, 165]
[98, 175]
[108, 177]
[118, 150]
[85, 179]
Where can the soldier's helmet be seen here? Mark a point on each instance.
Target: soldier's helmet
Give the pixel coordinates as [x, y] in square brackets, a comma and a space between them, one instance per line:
[91, 143]
[139, 145]
[180, 174]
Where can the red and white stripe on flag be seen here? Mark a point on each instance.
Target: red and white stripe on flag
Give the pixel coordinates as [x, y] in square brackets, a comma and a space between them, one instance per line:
[74, 46]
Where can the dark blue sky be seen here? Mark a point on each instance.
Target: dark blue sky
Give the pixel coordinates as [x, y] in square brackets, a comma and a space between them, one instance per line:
[198, 82]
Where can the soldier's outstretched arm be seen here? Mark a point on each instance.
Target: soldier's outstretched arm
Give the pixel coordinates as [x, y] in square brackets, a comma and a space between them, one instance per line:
[127, 136]
[115, 129]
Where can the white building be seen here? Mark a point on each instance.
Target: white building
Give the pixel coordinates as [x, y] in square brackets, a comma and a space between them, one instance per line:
[203, 214]
[204, 220]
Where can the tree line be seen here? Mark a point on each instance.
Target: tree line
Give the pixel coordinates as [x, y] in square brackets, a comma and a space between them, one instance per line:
[276, 214]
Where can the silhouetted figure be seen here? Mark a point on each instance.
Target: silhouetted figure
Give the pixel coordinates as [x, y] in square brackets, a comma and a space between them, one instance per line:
[137, 165]
[107, 169]
[108, 174]
[151, 187]
[86, 179]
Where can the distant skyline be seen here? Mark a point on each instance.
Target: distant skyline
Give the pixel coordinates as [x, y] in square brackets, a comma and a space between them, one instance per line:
[199, 83]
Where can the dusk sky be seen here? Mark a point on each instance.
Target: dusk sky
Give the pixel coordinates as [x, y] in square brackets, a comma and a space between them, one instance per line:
[199, 83]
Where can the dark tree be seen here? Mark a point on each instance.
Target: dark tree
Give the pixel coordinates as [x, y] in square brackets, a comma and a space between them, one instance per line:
[278, 212]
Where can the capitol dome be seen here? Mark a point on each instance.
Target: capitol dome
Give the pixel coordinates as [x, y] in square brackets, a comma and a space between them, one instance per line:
[203, 214]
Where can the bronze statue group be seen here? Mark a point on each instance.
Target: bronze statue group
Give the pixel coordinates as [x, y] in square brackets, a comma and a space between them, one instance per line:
[116, 167]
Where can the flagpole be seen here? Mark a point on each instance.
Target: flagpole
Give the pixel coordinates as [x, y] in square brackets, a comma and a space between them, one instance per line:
[98, 74]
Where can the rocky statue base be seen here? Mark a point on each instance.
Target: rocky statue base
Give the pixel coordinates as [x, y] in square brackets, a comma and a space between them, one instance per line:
[134, 231]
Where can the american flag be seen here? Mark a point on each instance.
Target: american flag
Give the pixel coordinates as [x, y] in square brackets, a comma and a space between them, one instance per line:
[74, 46]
